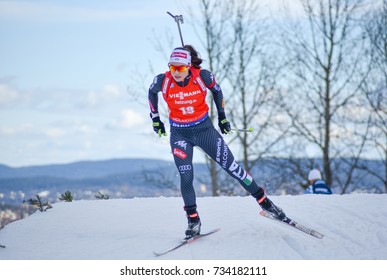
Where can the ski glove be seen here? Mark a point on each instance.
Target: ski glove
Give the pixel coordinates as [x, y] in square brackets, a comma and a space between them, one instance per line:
[158, 126]
[224, 124]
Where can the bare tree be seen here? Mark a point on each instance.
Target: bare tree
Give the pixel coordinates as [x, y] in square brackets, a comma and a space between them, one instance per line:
[254, 99]
[214, 36]
[375, 87]
[213, 32]
[236, 40]
[326, 70]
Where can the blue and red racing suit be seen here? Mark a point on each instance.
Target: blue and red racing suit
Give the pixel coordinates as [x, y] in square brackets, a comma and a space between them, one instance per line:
[191, 126]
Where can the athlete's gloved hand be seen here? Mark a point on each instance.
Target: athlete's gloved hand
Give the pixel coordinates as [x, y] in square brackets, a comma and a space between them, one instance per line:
[158, 126]
[224, 124]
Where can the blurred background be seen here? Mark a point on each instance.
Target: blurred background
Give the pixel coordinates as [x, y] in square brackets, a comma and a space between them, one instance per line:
[309, 76]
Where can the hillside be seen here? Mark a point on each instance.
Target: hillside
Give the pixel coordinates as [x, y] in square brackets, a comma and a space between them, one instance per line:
[118, 178]
[354, 226]
[128, 178]
[81, 169]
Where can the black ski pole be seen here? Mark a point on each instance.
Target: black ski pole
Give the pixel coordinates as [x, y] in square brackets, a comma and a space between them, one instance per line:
[178, 19]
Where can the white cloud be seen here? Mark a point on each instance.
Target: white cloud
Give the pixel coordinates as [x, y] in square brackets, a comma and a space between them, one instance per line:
[109, 93]
[55, 132]
[112, 90]
[7, 94]
[58, 99]
[84, 128]
[128, 119]
[92, 98]
[9, 130]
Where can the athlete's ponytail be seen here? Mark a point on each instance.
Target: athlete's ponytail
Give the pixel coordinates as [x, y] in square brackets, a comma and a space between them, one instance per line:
[195, 59]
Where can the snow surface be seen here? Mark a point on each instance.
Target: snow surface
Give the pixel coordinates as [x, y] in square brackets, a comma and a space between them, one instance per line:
[354, 226]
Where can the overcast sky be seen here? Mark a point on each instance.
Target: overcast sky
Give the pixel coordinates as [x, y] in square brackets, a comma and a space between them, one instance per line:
[65, 67]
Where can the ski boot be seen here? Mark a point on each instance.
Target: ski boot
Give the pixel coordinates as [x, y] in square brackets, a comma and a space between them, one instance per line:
[268, 205]
[194, 223]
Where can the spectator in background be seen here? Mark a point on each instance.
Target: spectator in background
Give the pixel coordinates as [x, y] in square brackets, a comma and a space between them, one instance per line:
[317, 185]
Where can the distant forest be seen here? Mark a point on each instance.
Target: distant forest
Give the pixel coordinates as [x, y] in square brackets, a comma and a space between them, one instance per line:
[126, 178]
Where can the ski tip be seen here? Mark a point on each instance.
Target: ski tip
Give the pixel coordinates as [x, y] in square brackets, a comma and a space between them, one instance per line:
[317, 234]
[208, 232]
[186, 241]
[214, 230]
[157, 254]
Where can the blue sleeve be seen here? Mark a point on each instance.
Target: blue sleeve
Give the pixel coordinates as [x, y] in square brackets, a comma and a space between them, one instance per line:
[212, 85]
[153, 92]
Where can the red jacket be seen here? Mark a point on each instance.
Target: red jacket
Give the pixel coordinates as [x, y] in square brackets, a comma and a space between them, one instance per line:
[187, 105]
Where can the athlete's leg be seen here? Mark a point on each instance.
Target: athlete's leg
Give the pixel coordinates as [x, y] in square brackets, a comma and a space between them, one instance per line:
[213, 144]
[182, 151]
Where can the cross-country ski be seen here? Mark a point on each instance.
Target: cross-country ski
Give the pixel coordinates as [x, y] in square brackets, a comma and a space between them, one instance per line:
[293, 224]
[186, 241]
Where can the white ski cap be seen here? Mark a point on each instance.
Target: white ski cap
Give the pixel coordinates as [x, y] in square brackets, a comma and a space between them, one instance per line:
[180, 56]
[314, 174]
